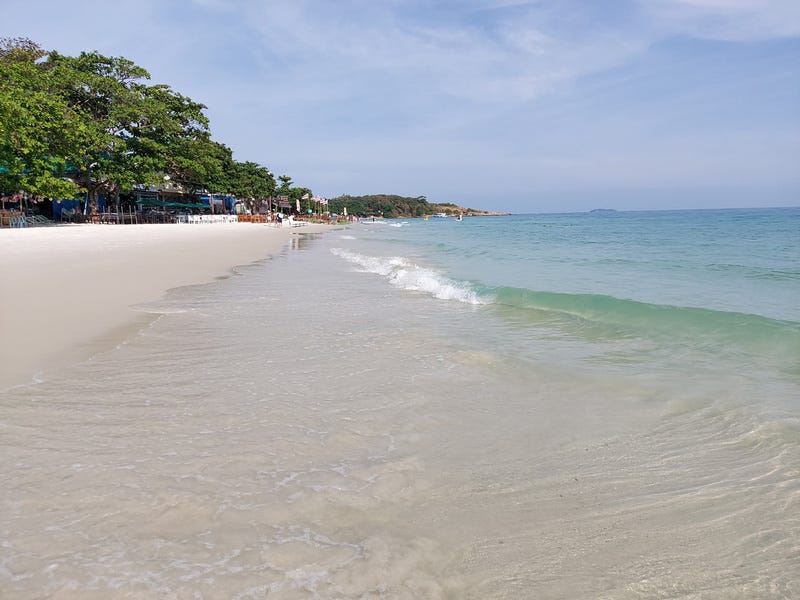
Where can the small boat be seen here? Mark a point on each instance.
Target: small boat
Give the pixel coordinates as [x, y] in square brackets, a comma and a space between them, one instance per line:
[460, 217]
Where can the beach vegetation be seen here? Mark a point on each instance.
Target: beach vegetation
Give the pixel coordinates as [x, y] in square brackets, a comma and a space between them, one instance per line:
[96, 124]
[130, 129]
[253, 184]
[393, 206]
[198, 164]
[38, 127]
[286, 185]
[386, 205]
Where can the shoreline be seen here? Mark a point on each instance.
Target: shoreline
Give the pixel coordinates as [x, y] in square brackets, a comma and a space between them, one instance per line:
[67, 292]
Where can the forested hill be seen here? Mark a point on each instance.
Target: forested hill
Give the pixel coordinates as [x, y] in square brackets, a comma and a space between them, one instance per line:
[393, 206]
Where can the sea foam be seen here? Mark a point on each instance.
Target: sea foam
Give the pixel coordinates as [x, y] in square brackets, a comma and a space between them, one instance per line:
[406, 275]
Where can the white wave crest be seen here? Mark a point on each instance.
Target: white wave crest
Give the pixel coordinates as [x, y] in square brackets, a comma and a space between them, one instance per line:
[405, 275]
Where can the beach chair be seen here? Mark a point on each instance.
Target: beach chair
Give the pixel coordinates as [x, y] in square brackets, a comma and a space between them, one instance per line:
[37, 220]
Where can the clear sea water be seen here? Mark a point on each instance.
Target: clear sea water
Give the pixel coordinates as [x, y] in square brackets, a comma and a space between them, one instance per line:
[542, 406]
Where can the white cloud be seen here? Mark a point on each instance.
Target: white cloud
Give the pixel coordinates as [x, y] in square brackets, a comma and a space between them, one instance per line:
[511, 60]
[734, 20]
[413, 96]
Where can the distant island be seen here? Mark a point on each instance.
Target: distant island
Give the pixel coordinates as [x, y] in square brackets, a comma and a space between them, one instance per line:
[392, 206]
[602, 211]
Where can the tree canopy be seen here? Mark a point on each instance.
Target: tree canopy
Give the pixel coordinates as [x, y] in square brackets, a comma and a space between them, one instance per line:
[95, 123]
[38, 127]
[387, 205]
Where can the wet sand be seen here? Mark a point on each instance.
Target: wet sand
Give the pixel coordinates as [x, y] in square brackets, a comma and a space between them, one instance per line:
[66, 291]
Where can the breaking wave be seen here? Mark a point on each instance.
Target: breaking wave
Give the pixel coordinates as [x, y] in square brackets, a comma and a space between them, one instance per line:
[406, 275]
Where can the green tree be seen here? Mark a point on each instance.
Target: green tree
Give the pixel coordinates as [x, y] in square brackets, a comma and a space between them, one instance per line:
[252, 184]
[382, 204]
[95, 123]
[198, 164]
[286, 185]
[167, 128]
[38, 128]
[130, 129]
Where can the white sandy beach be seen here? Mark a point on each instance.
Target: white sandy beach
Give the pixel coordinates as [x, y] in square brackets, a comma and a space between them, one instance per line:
[64, 291]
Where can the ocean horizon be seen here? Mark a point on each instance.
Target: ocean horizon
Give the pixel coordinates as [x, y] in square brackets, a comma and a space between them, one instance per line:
[550, 405]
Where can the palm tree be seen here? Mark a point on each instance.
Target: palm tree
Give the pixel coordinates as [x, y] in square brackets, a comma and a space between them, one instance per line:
[286, 184]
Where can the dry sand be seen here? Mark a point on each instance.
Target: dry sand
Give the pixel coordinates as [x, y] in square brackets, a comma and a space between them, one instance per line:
[67, 291]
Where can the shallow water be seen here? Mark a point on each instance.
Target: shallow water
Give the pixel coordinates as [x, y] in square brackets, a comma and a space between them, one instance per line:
[319, 426]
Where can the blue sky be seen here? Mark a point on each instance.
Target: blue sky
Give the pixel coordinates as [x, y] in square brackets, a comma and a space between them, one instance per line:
[537, 106]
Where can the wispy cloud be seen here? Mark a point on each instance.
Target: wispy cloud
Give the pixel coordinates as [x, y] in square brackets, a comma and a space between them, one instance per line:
[424, 63]
[452, 96]
[734, 20]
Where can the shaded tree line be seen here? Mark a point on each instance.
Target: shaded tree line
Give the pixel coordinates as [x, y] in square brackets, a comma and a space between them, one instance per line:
[393, 206]
[386, 205]
[94, 123]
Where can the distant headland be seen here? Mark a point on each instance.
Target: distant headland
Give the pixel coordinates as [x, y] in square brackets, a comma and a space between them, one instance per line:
[392, 206]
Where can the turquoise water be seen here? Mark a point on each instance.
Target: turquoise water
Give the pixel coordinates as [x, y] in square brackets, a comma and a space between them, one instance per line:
[546, 406]
[738, 261]
[717, 283]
